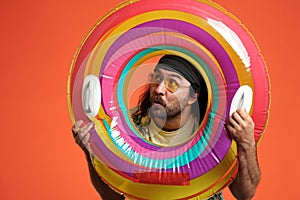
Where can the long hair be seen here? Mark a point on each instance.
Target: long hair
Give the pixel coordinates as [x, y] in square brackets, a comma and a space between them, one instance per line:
[143, 107]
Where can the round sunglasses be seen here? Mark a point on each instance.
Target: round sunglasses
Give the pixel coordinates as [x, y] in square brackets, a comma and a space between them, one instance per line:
[170, 83]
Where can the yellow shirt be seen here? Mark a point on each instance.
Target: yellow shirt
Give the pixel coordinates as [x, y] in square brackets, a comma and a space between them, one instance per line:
[170, 138]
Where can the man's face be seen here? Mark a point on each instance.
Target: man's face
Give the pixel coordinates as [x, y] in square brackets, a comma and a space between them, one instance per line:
[165, 102]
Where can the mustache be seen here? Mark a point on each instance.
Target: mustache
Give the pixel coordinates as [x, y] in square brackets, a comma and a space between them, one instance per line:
[157, 99]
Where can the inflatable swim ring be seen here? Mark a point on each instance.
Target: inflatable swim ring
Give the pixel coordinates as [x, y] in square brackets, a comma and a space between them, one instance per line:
[223, 51]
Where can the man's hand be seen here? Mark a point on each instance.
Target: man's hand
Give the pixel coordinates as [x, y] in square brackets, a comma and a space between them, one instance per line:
[241, 129]
[82, 135]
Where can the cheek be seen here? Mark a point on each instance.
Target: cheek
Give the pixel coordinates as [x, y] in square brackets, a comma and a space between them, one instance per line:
[180, 98]
[172, 99]
[151, 89]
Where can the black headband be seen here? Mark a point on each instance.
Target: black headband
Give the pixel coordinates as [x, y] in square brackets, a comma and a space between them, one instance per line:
[184, 68]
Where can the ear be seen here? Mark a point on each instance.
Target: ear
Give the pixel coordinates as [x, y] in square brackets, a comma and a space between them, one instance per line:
[193, 97]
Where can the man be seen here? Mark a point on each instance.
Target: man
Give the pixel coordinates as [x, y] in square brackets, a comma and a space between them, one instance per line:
[170, 111]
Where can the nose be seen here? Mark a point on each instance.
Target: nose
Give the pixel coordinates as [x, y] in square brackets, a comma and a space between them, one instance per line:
[160, 88]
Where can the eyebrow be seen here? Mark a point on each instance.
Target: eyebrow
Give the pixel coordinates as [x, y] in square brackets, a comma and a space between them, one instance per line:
[175, 75]
[172, 75]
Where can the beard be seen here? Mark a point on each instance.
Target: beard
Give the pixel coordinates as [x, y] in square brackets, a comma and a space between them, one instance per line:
[161, 110]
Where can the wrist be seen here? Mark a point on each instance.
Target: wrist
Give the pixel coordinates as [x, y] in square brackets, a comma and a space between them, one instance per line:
[246, 146]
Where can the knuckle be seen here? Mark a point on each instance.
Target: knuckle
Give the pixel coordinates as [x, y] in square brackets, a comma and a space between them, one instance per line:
[250, 124]
[239, 129]
[233, 132]
[243, 126]
[235, 115]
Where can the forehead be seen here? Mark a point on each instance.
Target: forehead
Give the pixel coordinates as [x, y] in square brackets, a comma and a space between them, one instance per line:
[173, 74]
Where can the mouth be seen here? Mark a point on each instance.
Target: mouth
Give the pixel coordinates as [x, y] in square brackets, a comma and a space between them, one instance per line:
[156, 100]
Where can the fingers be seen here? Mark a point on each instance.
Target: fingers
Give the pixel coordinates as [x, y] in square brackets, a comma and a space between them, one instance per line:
[84, 131]
[87, 127]
[240, 118]
[81, 134]
[233, 127]
[236, 122]
[78, 123]
[244, 115]
[240, 127]
[76, 127]
[84, 134]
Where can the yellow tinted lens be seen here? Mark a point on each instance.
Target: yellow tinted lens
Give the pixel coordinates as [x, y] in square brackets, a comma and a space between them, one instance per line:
[171, 85]
[156, 78]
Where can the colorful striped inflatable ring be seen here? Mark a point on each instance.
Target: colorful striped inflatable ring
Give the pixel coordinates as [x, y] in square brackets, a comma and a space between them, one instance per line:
[223, 51]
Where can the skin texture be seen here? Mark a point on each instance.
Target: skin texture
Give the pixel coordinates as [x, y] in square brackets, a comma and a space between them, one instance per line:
[241, 128]
[170, 111]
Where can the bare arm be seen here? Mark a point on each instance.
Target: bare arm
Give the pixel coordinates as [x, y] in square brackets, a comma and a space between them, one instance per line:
[81, 136]
[241, 129]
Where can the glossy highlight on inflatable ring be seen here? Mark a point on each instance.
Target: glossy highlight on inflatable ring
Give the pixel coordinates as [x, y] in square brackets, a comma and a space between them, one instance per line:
[225, 54]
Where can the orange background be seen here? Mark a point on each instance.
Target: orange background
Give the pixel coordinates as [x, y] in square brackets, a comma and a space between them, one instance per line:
[39, 159]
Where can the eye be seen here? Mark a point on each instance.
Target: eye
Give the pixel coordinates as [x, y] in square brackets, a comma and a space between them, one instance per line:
[172, 82]
[157, 78]
[172, 85]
